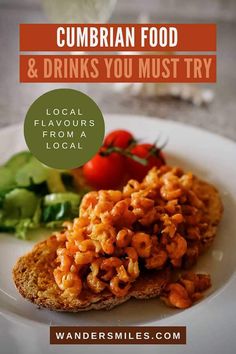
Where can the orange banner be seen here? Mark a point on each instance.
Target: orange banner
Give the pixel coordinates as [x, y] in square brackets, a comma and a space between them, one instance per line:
[115, 37]
[113, 68]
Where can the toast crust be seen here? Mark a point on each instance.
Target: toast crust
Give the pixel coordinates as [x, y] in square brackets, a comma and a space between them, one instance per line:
[33, 272]
[33, 277]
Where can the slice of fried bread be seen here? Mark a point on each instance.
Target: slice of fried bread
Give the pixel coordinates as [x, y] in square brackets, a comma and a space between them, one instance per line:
[33, 276]
[214, 209]
[33, 273]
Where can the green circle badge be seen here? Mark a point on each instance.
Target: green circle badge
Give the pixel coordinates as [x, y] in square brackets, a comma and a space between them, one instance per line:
[64, 128]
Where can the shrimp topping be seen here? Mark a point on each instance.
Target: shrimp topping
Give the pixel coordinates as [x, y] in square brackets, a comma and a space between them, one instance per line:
[157, 223]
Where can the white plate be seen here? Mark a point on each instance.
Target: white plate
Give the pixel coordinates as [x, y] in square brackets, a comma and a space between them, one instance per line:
[211, 157]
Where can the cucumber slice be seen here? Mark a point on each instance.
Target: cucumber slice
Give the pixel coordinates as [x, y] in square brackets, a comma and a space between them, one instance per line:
[34, 172]
[57, 212]
[54, 182]
[18, 160]
[58, 198]
[7, 180]
[60, 206]
[19, 204]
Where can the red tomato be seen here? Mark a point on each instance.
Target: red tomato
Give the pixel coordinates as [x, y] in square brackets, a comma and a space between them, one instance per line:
[104, 172]
[149, 152]
[119, 138]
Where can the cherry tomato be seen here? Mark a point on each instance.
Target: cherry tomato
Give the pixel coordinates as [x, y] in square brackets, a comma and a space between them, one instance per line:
[104, 172]
[119, 138]
[149, 152]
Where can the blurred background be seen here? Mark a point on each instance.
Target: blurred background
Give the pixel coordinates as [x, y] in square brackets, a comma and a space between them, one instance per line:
[212, 107]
